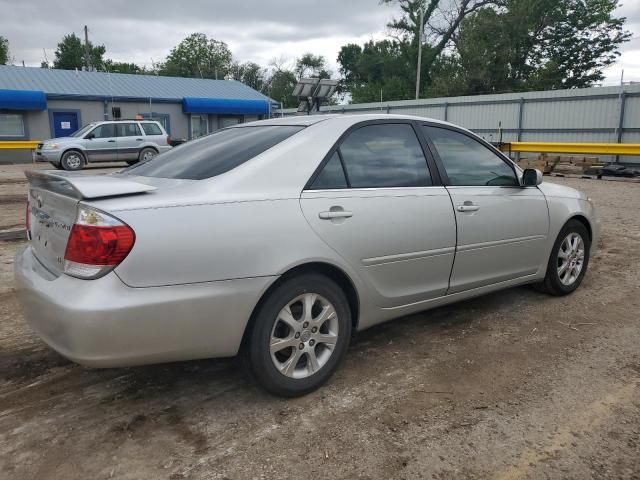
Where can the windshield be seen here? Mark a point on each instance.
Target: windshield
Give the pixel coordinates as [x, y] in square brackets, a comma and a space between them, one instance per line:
[214, 154]
[82, 131]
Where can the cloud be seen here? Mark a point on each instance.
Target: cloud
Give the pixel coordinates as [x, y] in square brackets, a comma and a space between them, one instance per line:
[140, 31]
[256, 30]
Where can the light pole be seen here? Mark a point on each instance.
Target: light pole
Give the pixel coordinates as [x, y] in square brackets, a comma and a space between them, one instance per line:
[419, 53]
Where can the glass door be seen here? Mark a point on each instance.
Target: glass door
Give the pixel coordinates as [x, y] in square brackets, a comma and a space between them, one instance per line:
[199, 125]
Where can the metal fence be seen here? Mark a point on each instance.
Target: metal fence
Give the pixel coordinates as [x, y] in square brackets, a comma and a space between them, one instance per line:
[600, 114]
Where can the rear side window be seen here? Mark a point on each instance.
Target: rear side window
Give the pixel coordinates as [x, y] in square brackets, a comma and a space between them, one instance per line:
[213, 154]
[151, 129]
[128, 129]
[331, 176]
[384, 155]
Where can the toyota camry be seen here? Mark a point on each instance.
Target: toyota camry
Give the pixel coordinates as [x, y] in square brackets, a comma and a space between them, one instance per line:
[277, 239]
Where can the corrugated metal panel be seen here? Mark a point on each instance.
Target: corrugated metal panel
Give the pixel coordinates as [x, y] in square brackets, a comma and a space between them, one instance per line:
[101, 84]
[632, 112]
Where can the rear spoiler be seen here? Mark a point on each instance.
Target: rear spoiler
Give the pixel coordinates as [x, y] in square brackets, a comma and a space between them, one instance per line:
[81, 186]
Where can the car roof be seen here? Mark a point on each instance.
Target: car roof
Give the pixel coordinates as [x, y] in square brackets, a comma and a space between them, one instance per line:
[308, 120]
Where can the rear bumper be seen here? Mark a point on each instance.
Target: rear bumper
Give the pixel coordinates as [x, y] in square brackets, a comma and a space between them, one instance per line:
[105, 323]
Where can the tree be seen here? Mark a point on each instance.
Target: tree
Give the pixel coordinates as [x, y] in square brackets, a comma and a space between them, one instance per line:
[249, 73]
[538, 45]
[124, 67]
[4, 50]
[70, 54]
[441, 19]
[200, 57]
[376, 69]
[310, 65]
[280, 87]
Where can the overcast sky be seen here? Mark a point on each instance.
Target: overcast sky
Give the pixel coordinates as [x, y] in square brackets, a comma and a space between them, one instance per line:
[255, 30]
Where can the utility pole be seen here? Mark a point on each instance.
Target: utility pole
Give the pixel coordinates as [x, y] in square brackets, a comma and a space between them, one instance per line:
[419, 53]
[86, 48]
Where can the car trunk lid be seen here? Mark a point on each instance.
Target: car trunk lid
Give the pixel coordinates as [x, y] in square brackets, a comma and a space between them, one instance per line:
[53, 202]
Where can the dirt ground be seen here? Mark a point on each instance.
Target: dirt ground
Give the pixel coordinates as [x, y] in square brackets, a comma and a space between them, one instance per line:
[512, 385]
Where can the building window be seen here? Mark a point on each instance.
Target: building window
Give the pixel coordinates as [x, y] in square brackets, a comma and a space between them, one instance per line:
[12, 125]
[229, 121]
[162, 118]
[199, 125]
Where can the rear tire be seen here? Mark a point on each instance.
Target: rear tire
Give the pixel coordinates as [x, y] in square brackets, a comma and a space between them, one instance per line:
[146, 154]
[72, 160]
[568, 262]
[299, 336]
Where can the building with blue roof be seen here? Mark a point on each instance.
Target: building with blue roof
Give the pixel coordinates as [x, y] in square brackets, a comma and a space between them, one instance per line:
[40, 103]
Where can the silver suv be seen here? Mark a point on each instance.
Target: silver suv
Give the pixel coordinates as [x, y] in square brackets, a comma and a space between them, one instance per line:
[128, 141]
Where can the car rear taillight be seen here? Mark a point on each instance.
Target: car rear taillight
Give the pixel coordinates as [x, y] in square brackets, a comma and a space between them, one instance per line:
[97, 243]
[168, 140]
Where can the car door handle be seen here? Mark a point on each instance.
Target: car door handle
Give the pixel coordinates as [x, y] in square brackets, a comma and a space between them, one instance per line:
[335, 214]
[138, 139]
[468, 208]
[111, 141]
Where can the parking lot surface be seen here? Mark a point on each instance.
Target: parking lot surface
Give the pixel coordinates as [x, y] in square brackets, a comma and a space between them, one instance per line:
[512, 385]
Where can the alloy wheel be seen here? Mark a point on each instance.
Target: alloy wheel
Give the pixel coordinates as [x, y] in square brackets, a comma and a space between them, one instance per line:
[570, 258]
[304, 336]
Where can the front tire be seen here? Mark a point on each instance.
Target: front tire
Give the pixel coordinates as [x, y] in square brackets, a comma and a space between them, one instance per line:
[72, 160]
[300, 335]
[569, 260]
[56, 165]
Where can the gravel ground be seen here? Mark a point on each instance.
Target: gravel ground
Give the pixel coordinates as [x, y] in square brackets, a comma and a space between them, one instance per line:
[511, 385]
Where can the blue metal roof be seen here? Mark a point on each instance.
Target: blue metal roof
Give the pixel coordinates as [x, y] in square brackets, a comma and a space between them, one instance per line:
[224, 105]
[71, 83]
[23, 100]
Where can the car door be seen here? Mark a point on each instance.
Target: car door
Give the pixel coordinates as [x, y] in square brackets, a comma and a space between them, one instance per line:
[130, 140]
[375, 202]
[101, 143]
[502, 227]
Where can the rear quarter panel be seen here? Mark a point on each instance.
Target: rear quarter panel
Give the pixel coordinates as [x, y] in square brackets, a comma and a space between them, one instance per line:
[221, 241]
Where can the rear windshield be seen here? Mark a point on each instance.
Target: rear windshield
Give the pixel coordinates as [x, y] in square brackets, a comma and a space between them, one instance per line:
[214, 154]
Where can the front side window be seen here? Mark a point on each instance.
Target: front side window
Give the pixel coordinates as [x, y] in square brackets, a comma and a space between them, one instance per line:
[106, 130]
[128, 130]
[82, 131]
[467, 161]
[11, 125]
[214, 154]
[384, 155]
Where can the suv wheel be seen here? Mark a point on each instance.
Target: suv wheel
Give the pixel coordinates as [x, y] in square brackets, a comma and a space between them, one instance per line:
[72, 160]
[300, 335]
[568, 261]
[146, 154]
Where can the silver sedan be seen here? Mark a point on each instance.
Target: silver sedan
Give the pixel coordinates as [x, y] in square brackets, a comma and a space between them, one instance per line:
[279, 238]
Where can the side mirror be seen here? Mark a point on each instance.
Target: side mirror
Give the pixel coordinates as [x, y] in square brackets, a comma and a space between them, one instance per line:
[90, 136]
[531, 177]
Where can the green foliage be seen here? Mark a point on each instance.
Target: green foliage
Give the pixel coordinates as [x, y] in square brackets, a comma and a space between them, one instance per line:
[376, 66]
[250, 74]
[280, 86]
[124, 67]
[70, 54]
[4, 50]
[513, 45]
[200, 57]
[310, 65]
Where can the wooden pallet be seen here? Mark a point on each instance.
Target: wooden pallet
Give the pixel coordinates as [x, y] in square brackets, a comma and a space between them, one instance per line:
[557, 164]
